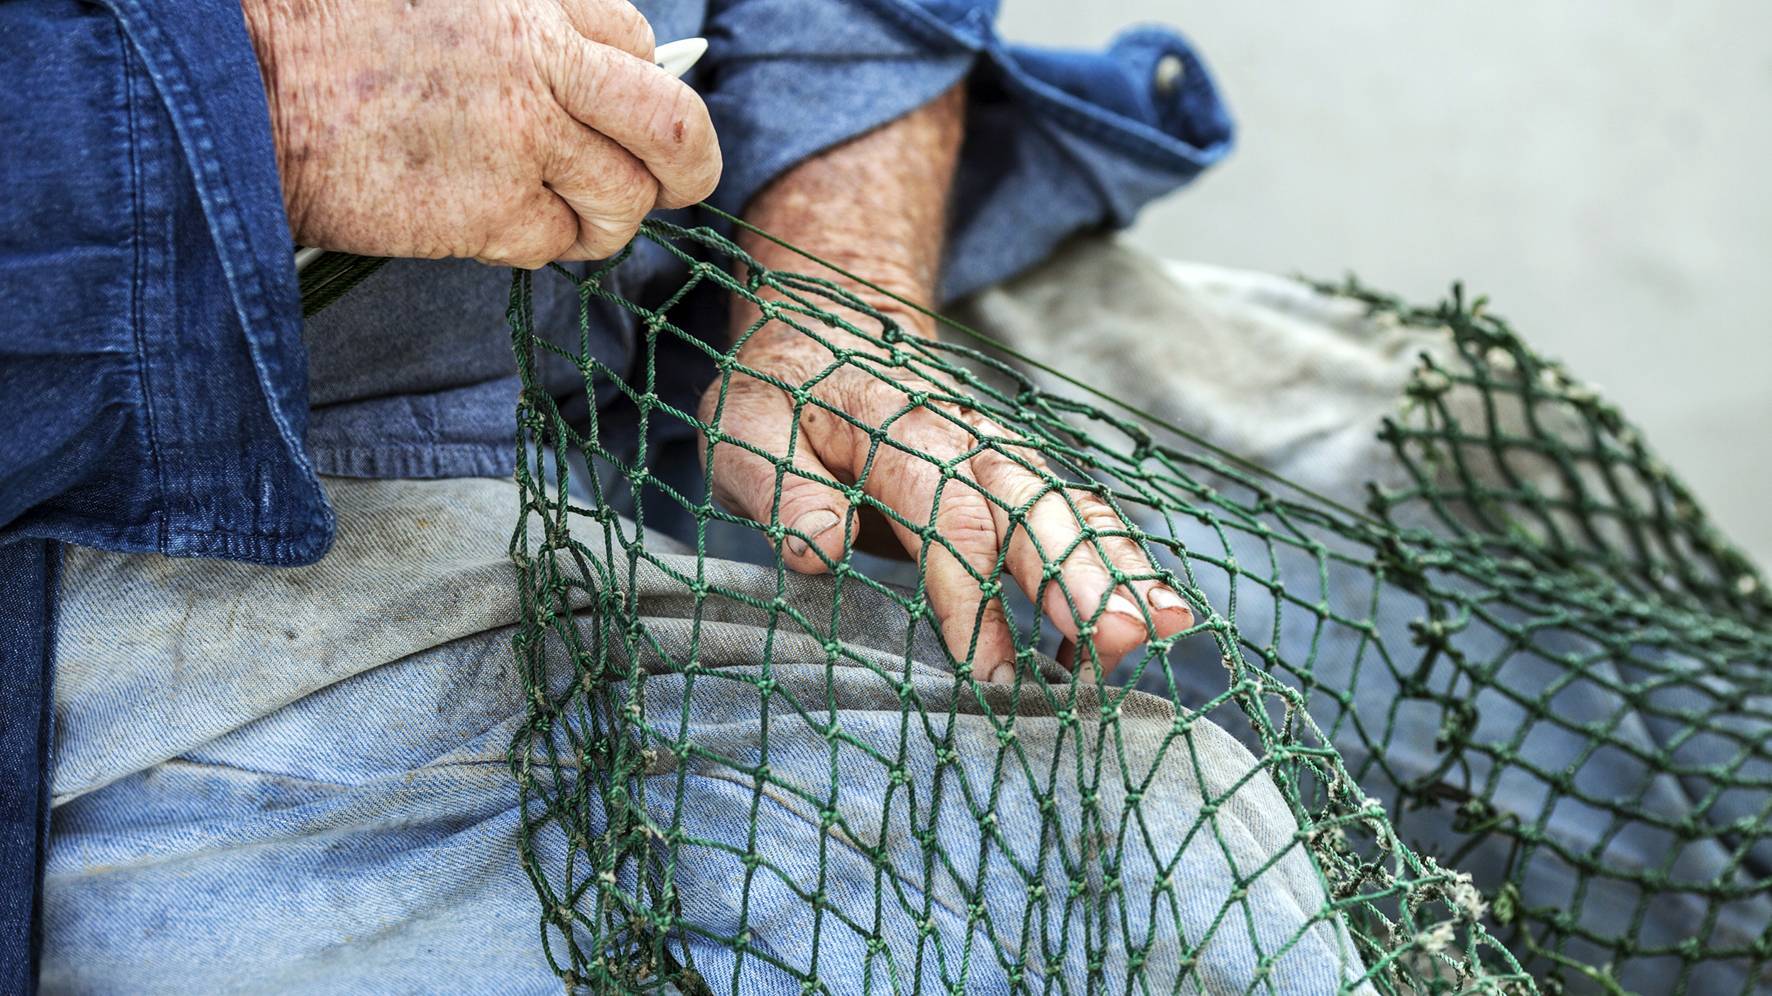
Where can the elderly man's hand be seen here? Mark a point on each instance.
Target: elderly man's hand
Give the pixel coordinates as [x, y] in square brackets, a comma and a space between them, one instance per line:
[510, 131]
[907, 477]
[878, 203]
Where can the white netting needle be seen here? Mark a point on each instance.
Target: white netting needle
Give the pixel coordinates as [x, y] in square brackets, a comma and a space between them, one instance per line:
[677, 57]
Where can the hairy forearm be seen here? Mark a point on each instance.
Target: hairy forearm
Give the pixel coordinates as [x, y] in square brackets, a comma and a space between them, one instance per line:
[875, 205]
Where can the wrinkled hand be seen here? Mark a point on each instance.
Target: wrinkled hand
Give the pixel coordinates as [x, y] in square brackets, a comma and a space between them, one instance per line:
[907, 480]
[510, 131]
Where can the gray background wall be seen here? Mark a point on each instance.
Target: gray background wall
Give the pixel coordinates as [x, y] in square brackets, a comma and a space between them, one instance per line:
[1600, 170]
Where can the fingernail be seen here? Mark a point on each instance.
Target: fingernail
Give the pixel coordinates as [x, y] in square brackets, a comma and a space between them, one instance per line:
[814, 524]
[1162, 598]
[1120, 605]
[1085, 675]
[1004, 673]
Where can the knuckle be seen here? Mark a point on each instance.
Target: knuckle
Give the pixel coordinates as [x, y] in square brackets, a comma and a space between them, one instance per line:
[580, 67]
[1080, 562]
[730, 496]
[735, 481]
[605, 237]
[971, 530]
[531, 249]
[915, 426]
[732, 409]
[1008, 483]
[800, 496]
[621, 191]
[789, 356]
[747, 394]
[1097, 513]
[636, 198]
[593, 164]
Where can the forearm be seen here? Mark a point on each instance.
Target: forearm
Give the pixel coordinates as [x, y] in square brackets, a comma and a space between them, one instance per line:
[875, 205]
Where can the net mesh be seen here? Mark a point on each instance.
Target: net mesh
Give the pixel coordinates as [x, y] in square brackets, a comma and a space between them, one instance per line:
[1503, 731]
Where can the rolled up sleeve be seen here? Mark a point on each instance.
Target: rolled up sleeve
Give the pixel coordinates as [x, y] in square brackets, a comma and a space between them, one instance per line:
[792, 78]
[1057, 141]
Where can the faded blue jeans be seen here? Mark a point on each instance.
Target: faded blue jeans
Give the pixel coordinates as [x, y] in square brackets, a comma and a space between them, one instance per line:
[296, 781]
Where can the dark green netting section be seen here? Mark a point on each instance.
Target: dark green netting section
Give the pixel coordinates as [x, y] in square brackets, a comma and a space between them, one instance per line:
[1478, 738]
[1562, 546]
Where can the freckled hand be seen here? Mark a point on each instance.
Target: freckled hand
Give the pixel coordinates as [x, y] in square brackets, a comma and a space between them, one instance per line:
[676, 58]
[552, 138]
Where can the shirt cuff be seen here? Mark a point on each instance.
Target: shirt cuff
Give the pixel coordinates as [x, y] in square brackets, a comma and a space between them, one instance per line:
[179, 387]
[1062, 141]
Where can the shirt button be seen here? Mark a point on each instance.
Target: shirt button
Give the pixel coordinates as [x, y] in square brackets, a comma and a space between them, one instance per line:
[1169, 74]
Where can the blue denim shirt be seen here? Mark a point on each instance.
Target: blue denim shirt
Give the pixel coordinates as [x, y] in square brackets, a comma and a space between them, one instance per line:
[154, 380]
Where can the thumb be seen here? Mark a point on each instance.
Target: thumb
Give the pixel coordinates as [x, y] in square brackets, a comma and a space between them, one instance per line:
[762, 465]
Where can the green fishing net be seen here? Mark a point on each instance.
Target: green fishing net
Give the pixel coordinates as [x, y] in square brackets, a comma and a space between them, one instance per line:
[1503, 730]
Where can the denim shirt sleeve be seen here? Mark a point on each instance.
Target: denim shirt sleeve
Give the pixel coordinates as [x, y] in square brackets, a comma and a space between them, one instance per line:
[152, 380]
[152, 384]
[1057, 141]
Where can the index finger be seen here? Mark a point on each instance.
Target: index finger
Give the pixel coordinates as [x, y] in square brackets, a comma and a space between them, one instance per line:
[617, 23]
[653, 115]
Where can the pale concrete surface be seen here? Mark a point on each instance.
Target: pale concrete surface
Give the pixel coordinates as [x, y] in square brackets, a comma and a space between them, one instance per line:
[1600, 170]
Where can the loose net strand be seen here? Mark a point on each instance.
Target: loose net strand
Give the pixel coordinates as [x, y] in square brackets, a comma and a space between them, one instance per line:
[1540, 631]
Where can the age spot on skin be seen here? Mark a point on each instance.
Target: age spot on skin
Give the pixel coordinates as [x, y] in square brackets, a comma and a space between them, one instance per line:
[367, 82]
[434, 85]
[677, 131]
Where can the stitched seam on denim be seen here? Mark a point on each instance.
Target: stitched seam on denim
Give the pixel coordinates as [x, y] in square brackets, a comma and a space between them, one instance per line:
[413, 461]
[268, 550]
[413, 447]
[80, 530]
[137, 284]
[274, 550]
